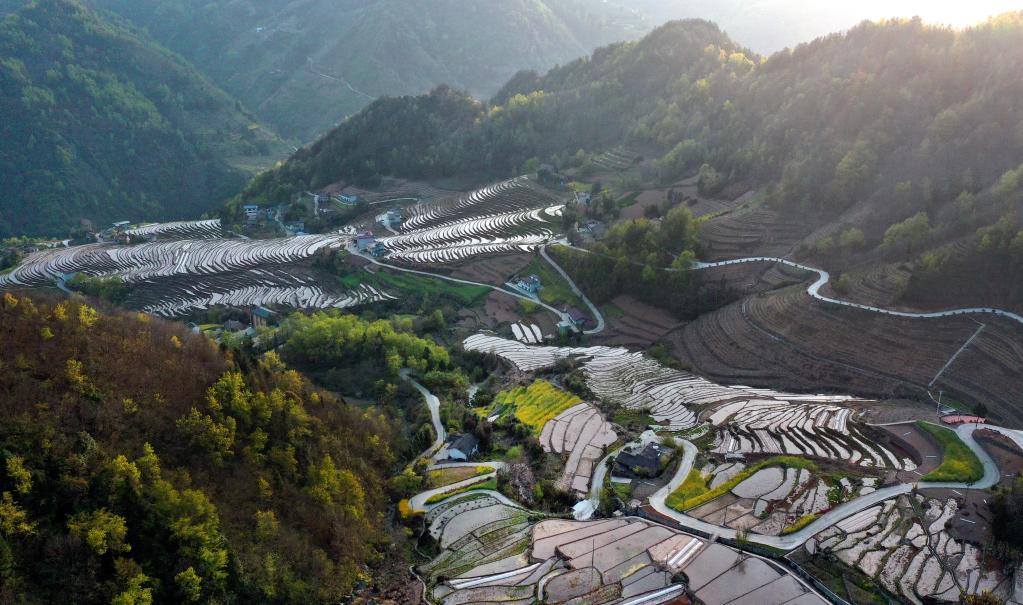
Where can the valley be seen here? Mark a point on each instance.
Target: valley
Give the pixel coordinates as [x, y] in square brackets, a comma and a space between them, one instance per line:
[669, 324]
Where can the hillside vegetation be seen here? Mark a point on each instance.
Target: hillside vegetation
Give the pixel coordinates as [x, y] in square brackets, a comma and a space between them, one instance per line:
[101, 124]
[140, 464]
[304, 65]
[894, 136]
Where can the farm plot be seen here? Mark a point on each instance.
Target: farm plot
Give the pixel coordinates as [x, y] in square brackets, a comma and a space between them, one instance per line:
[208, 229]
[582, 433]
[773, 497]
[903, 545]
[527, 333]
[625, 561]
[534, 405]
[638, 382]
[768, 426]
[511, 216]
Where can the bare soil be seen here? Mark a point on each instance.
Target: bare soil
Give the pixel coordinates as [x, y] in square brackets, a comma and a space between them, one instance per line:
[640, 325]
[494, 270]
[1004, 452]
[919, 445]
[785, 339]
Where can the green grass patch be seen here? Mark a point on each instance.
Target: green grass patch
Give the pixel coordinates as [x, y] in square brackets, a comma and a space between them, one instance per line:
[611, 311]
[447, 476]
[958, 462]
[465, 294]
[799, 524]
[627, 200]
[490, 484]
[555, 291]
[695, 490]
[622, 490]
[536, 404]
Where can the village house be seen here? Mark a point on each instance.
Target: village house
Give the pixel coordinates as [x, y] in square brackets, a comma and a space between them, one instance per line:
[364, 240]
[349, 200]
[530, 285]
[577, 317]
[463, 447]
[251, 211]
[263, 317]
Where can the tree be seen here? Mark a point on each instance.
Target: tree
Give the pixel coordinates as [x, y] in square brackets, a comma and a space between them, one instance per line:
[20, 475]
[102, 530]
[910, 233]
[852, 238]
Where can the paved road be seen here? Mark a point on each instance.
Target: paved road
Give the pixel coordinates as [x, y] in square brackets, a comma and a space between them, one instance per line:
[823, 277]
[433, 403]
[593, 308]
[836, 514]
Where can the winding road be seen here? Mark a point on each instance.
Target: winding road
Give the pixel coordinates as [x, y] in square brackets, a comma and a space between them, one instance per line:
[575, 289]
[823, 277]
[836, 514]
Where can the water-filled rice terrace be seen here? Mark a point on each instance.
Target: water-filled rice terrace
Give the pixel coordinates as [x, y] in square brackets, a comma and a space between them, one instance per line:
[510, 216]
[174, 277]
[493, 552]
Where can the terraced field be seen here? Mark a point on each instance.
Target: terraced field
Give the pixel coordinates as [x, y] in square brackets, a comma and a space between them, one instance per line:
[622, 561]
[581, 433]
[511, 216]
[672, 397]
[773, 500]
[175, 277]
[756, 426]
[903, 545]
[207, 229]
[786, 339]
[760, 232]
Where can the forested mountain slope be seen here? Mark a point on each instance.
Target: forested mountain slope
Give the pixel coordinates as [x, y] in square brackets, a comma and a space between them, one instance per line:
[868, 129]
[100, 123]
[142, 465]
[303, 65]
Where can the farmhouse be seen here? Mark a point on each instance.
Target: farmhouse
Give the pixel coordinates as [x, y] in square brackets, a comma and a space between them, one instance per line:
[379, 249]
[365, 241]
[529, 285]
[639, 463]
[251, 211]
[262, 317]
[347, 199]
[577, 317]
[463, 447]
[394, 216]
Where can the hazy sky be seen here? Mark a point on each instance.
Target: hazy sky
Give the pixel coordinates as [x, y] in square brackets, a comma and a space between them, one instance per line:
[770, 25]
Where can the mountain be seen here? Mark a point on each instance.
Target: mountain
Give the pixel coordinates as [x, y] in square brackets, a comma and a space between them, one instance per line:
[303, 65]
[143, 465]
[100, 124]
[864, 130]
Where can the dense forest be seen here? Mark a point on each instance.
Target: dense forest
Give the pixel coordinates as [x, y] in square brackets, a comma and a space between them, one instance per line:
[874, 132]
[141, 464]
[102, 124]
